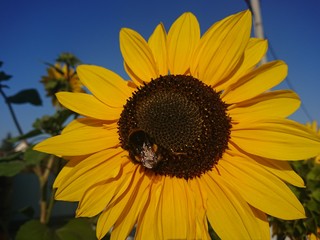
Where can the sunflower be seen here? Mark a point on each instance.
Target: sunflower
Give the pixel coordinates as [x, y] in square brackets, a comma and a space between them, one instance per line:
[193, 137]
[315, 237]
[314, 126]
[61, 77]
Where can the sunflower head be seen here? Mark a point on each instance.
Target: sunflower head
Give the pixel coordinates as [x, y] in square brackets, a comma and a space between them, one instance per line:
[181, 120]
[61, 77]
[195, 136]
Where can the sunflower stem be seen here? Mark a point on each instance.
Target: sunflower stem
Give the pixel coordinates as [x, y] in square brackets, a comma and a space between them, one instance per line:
[50, 206]
[45, 208]
[43, 201]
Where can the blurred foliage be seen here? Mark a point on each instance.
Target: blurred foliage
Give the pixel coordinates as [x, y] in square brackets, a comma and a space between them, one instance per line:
[52, 124]
[309, 196]
[17, 156]
[74, 229]
[6, 146]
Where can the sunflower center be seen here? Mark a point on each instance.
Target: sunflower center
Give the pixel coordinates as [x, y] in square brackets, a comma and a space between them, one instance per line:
[172, 120]
[175, 125]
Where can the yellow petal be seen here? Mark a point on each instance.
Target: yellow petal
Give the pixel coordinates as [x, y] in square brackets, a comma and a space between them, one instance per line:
[104, 224]
[228, 213]
[89, 172]
[263, 223]
[85, 140]
[158, 46]
[135, 79]
[129, 198]
[194, 218]
[71, 163]
[99, 195]
[280, 139]
[256, 82]
[281, 169]
[253, 53]
[88, 105]
[222, 47]
[197, 56]
[281, 103]
[105, 85]
[183, 38]
[260, 188]
[65, 171]
[147, 225]
[176, 208]
[201, 200]
[62, 174]
[134, 205]
[138, 55]
[80, 123]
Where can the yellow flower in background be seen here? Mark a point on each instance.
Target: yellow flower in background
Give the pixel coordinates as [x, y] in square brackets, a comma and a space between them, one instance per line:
[314, 237]
[194, 136]
[314, 127]
[61, 77]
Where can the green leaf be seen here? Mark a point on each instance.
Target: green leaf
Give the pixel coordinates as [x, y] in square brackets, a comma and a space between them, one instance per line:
[33, 157]
[77, 229]
[316, 194]
[52, 124]
[27, 135]
[34, 230]
[27, 211]
[4, 76]
[12, 157]
[26, 96]
[314, 173]
[12, 168]
[312, 206]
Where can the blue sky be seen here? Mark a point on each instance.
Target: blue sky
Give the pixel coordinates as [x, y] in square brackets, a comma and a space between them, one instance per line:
[37, 31]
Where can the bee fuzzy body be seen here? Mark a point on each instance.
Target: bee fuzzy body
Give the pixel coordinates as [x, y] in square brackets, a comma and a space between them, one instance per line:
[143, 150]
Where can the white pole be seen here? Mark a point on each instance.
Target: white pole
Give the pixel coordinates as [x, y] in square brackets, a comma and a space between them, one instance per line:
[257, 23]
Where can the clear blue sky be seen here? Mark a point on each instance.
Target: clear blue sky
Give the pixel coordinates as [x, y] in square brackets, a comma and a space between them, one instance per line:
[37, 31]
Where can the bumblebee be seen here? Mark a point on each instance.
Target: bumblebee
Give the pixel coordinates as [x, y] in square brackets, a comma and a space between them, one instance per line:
[142, 149]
